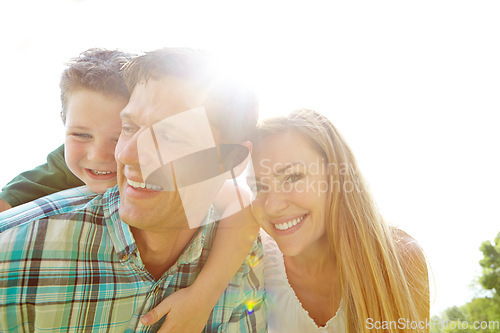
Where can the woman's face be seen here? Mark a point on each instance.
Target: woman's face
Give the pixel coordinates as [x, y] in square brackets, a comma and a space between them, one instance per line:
[290, 192]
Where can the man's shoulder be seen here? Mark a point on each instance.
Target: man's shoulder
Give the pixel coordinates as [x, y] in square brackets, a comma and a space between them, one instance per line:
[64, 202]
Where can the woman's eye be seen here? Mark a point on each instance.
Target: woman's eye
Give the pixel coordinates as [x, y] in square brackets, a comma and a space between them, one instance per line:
[293, 178]
[257, 187]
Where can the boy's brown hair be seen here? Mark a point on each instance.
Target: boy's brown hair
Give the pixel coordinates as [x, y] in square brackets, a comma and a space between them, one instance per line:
[99, 70]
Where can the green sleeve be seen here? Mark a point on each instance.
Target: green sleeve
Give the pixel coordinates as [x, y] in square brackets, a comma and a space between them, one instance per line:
[48, 178]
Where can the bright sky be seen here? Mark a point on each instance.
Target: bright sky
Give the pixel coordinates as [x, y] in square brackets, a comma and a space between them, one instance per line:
[414, 88]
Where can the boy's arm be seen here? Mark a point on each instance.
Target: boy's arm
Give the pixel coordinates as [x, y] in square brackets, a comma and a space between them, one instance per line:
[235, 237]
[189, 309]
[48, 178]
[4, 205]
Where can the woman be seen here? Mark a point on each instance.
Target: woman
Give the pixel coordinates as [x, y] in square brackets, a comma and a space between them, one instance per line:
[341, 268]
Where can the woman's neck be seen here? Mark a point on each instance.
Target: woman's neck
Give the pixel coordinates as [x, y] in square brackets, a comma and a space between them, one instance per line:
[314, 278]
[316, 259]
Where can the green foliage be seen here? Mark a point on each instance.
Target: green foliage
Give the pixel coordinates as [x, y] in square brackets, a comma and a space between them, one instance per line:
[454, 313]
[461, 319]
[485, 310]
[491, 265]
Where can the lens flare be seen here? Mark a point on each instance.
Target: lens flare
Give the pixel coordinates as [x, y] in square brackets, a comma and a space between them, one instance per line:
[250, 304]
[253, 260]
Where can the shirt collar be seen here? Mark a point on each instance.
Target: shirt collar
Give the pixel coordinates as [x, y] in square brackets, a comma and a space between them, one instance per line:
[123, 239]
[120, 233]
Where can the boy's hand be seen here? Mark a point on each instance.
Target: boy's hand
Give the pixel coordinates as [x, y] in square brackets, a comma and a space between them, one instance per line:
[186, 312]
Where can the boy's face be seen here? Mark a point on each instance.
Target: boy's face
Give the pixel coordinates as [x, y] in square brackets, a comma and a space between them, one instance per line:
[93, 126]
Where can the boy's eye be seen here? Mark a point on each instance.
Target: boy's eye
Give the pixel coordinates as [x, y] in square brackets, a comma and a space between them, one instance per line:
[81, 136]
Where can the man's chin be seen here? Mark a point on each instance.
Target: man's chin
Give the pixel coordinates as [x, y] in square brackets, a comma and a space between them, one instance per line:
[157, 211]
[129, 215]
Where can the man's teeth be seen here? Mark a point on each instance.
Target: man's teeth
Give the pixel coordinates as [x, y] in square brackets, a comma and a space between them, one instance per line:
[289, 224]
[95, 172]
[144, 185]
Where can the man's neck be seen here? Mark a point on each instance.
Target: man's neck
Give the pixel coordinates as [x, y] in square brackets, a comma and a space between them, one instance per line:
[160, 250]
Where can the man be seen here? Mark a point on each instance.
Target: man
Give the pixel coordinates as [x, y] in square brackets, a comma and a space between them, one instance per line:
[72, 263]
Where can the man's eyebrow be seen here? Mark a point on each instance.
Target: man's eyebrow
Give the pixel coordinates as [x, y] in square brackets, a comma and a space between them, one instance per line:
[173, 128]
[124, 114]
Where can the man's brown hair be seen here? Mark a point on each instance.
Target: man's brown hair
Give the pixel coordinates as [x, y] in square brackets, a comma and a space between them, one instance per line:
[231, 107]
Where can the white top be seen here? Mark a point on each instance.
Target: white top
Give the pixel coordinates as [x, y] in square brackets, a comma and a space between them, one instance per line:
[284, 310]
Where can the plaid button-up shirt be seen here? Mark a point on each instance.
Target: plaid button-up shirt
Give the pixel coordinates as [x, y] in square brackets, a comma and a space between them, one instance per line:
[69, 264]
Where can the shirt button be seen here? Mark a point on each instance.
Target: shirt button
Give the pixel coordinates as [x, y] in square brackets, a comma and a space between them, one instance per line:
[155, 291]
[125, 257]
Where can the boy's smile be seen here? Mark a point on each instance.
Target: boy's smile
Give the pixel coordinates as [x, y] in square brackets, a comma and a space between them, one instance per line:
[92, 129]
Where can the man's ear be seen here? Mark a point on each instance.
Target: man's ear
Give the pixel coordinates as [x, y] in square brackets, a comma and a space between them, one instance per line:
[249, 145]
[238, 170]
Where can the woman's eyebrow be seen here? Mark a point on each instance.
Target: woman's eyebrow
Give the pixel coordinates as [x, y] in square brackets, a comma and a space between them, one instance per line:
[280, 171]
[277, 172]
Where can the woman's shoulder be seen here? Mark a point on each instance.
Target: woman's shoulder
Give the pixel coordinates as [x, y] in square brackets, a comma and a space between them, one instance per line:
[408, 249]
[414, 264]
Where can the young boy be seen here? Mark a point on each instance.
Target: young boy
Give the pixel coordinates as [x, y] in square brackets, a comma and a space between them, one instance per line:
[93, 92]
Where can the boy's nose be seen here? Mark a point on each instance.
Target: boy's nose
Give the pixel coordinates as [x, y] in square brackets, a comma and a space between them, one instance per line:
[102, 152]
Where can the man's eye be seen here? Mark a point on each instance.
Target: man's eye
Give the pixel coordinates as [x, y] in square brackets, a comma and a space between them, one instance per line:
[171, 139]
[128, 130]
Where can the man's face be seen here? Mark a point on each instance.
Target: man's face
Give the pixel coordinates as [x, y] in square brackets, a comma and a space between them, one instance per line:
[160, 124]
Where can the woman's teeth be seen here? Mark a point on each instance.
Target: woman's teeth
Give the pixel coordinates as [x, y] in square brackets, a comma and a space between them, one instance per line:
[144, 185]
[95, 172]
[289, 224]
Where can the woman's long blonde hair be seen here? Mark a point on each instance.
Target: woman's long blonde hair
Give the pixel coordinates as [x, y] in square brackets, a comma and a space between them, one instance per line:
[380, 268]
